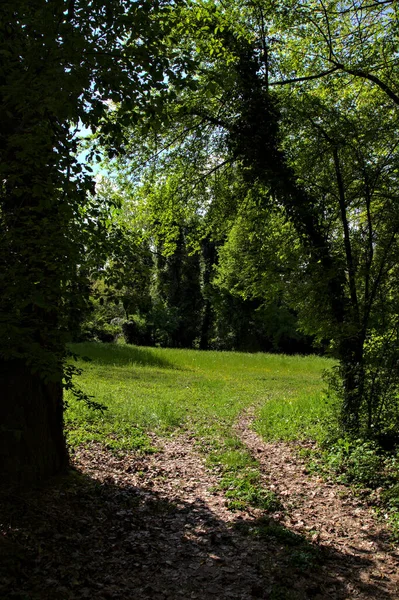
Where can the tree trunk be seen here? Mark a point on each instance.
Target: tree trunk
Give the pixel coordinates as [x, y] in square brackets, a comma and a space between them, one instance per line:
[205, 326]
[210, 257]
[352, 372]
[32, 443]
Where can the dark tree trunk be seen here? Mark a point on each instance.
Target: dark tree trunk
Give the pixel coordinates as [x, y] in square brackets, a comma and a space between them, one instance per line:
[255, 139]
[352, 373]
[210, 257]
[32, 443]
[205, 326]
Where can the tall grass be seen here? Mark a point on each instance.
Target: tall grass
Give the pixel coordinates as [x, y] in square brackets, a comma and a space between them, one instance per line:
[304, 416]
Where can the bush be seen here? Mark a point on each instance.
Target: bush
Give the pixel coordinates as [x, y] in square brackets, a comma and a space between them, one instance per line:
[107, 333]
[166, 322]
[364, 463]
[356, 461]
[103, 322]
[97, 331]
[137, 331]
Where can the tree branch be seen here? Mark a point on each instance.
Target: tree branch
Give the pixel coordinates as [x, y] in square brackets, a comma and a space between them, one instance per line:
[344, 220]
[373, 5]
[306, 78]
[206, 117]
[364, 75]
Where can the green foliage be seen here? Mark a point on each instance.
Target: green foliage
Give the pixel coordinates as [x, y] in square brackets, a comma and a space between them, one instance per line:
[71, 371]
[193, 301]
[378, 412]
[286, 161]
[289, 166]
[62, 67]
[356, 461]
[290, 159]
[103, 318]
[178, 300]
[366, 467]
[137, 331]
[240, 476]
[165, 323]
[389, 509]
[245, 489]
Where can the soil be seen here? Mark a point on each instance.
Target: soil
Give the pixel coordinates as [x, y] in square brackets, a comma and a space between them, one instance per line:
[133, 527]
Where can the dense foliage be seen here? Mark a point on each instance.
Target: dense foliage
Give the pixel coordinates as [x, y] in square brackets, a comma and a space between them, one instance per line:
[282, 149]
[62, 65]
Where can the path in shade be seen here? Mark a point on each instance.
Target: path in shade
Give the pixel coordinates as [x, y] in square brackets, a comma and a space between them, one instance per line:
[151, 527]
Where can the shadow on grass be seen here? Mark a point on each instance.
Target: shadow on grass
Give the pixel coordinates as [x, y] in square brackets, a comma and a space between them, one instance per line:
[78, 538]
[113, 354]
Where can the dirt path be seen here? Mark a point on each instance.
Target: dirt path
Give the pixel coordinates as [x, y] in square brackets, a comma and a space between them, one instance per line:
[140, 528]
[330, 516]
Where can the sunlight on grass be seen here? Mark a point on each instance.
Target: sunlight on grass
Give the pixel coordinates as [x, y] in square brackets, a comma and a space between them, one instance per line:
[166, 390]
[301, 417]
[154, 389]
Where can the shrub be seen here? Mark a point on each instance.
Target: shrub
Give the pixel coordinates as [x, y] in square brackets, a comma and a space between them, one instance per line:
[107, 333]
[137, 331]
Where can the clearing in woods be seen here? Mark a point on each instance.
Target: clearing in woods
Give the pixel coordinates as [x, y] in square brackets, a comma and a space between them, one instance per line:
[176, 493]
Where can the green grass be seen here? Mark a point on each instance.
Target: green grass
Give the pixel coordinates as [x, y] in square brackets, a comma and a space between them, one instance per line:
[301, 417]
[163, 389]
[167, 390]
[240, 477]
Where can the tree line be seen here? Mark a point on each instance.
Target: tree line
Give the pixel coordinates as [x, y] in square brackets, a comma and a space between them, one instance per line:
[180, 300]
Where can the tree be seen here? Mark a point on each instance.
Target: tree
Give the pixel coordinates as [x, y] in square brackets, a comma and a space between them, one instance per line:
[302, 99]
[336, 210]
[63, 63]
[332, 171]
[177, 296]
[259, 262]
[341, 149]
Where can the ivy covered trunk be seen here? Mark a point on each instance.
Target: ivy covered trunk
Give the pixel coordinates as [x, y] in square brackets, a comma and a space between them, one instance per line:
[54, 76]
[352, 372]
[32, 350]
[32, 443]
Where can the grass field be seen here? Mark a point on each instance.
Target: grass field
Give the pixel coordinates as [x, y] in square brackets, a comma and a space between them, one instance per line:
[166, 389]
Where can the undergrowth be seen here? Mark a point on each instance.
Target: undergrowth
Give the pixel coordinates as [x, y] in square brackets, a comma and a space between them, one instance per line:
[364, 466]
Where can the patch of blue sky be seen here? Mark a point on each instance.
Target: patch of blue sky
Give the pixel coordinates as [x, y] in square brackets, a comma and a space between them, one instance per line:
[83, 134]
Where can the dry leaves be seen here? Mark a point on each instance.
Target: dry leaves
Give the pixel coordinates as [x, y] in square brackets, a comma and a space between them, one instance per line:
[150, 527]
